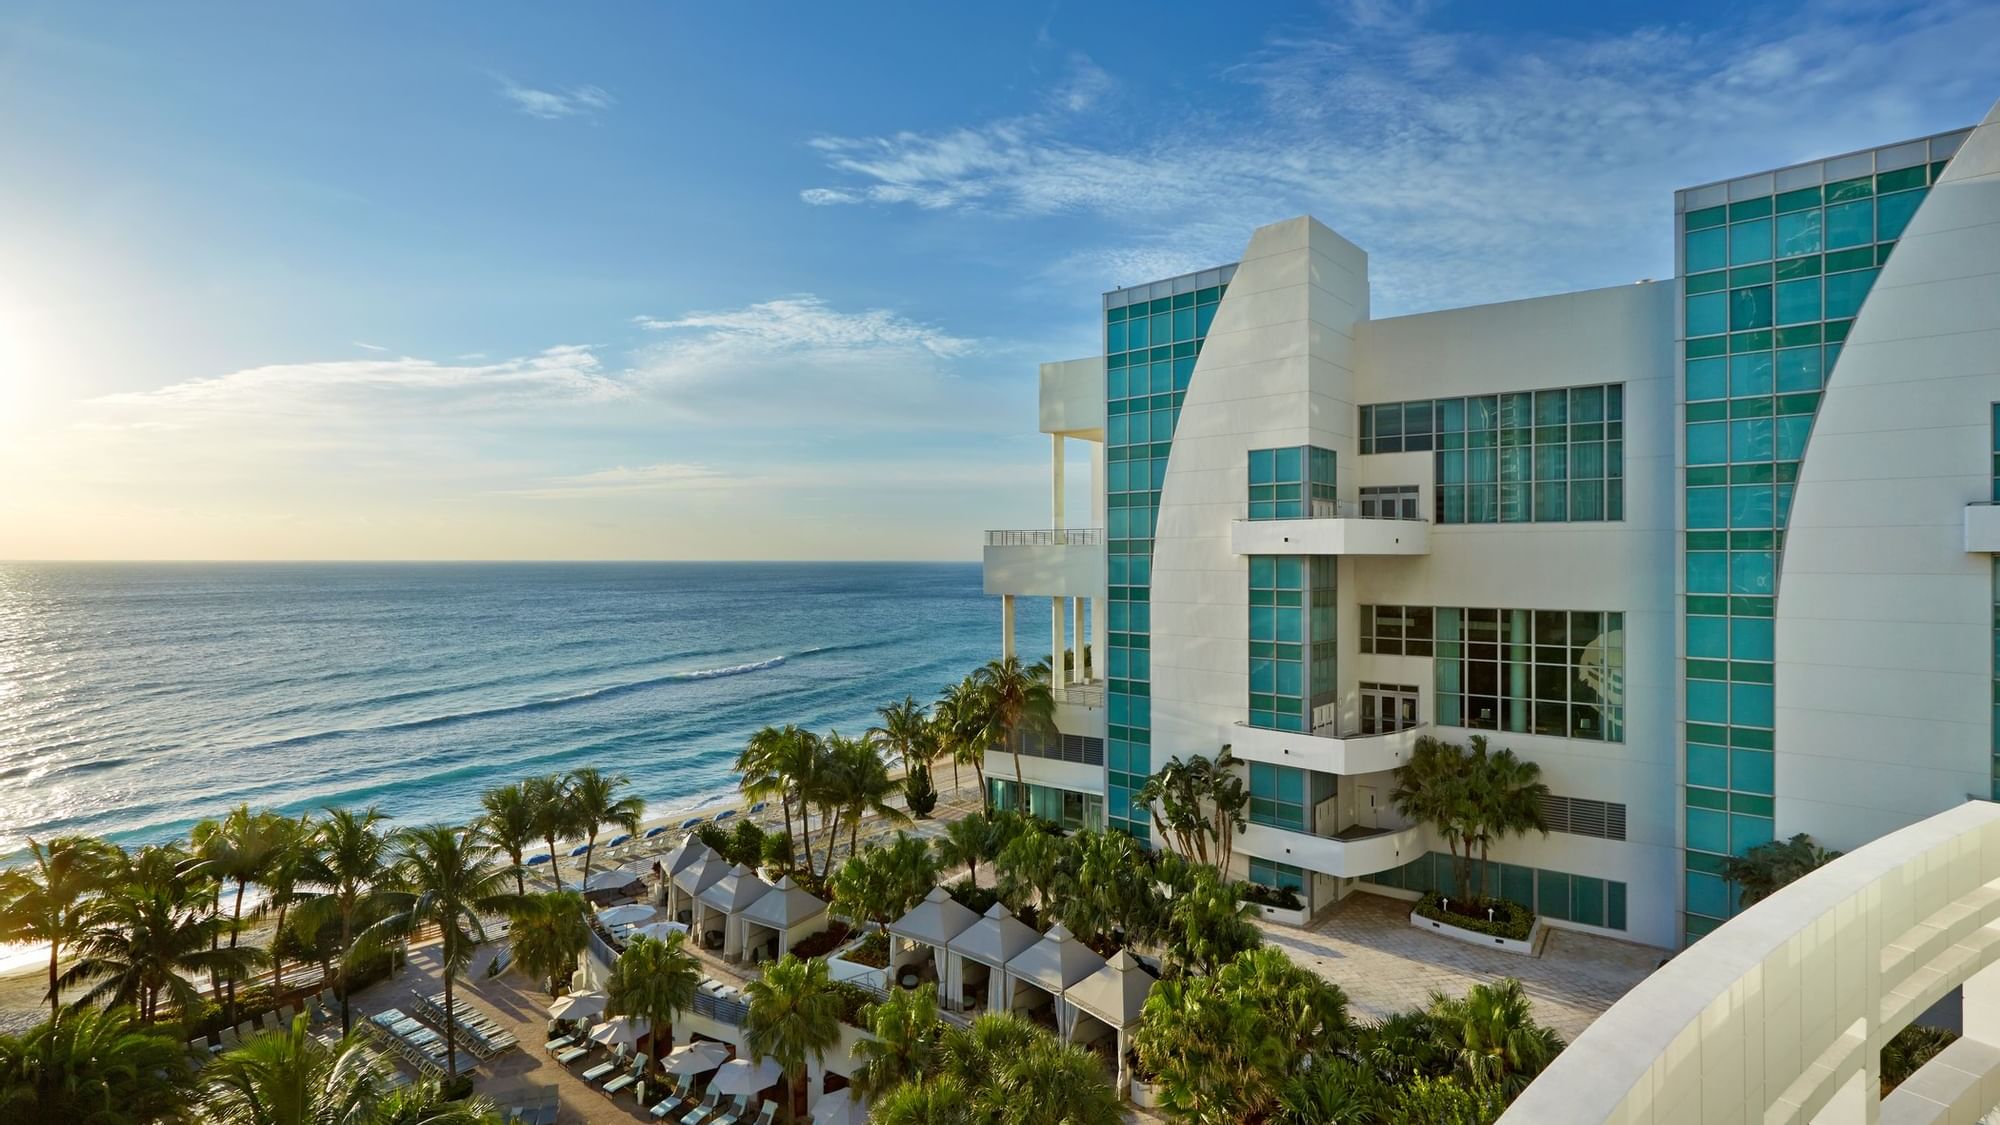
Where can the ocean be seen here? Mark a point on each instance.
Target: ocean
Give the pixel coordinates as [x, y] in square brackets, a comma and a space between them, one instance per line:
[136, 699]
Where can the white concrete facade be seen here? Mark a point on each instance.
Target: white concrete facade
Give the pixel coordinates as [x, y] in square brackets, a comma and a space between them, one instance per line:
[1884, 633]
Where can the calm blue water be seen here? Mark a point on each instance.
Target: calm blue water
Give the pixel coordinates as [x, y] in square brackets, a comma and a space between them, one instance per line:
[136, 699]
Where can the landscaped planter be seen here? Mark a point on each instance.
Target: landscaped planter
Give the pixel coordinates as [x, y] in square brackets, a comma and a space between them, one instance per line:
[1282, 916]
[840, 968]
[1145, 1095]
[1529, 946]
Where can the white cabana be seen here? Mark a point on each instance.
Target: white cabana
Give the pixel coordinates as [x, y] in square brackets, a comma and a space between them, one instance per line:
[840, 1108]
[683, 854]
[1112, 997]
[976, 960]
[741, 1076]
[717, 908]
[787, 913]
[698, 1057]
[1047, 969]
[577, 1006]
[630, 914]
[931, 923]
[688, 884]
[620, 1031]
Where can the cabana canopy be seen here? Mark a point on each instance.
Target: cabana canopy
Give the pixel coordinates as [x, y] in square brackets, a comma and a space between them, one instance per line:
[1114, 993]
[734, 891]
[700, 875]
[784, 906]
[684, 854]
[1056, 962]
[996, 939]
[934, 921]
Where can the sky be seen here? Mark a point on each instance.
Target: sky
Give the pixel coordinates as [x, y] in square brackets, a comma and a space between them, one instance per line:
[746, 281]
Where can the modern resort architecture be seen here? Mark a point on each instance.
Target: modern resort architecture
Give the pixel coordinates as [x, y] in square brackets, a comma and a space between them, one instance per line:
[1714, 551]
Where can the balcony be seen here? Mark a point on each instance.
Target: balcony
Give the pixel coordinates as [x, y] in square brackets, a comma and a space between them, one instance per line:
[1089, 694]
[1347, 530]
[1350, 853]
[1046, 562]
[1982, 528]
[1325, 751]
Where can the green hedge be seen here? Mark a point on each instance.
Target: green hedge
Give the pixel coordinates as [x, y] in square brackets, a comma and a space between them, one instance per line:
[1511, 920]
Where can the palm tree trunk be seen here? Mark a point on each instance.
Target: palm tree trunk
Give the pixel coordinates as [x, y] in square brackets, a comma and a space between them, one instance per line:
[785, 803]
[451, 1022]
[277, 962]
[589, 853]
[554, 867]
[346, 948]
[805, 828]
[55, 991]
[979, 778]
[520, 876]
[235, 924]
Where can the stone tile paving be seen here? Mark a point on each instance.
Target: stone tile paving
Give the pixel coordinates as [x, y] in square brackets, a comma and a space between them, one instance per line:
[1368, 947]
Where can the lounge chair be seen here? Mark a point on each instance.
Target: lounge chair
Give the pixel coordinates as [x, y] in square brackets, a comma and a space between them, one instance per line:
[674, 1101]
[616, 1060]
[732, 1111]
[770, 1111]
[637, 1072]
[573, 1052]
[703, 1111]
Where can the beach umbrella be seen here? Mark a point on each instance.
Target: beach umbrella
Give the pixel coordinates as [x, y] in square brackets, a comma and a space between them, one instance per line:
[658, 931]
[619, 839]
[620, 1031]
[840, 1108]
[612, 880]
[642, 867]
[659, 830]
[628, 914]
[577, 1005]
[690, 822]
[542, 857]
[725, 814]
[579, 849]
[741, 1076]
[698, 1057]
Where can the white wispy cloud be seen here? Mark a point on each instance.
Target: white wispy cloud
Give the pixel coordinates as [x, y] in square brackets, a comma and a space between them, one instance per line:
[366, 346]
[552, 104]
[1473, 166]
[623, 481]
[806, 321]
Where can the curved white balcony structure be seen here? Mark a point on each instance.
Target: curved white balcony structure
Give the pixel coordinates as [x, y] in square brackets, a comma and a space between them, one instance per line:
[1353, 853]
[1325, 751]
[1330, 535]
[1780, 1015]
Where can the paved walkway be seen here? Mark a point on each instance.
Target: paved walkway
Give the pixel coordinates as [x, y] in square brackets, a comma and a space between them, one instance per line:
[1368, 947]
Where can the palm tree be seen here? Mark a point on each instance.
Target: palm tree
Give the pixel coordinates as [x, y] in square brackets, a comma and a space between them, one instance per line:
[794, 1016]
[904, 1043]
[443, 877]
[594, 802]
[960, 717]
[1330, 1092]
[967, 842]
[934, 1101]
[761, 768]
[906, 730]
[972, 1055]
[1493, 1032]
[347, 871]
[287, 1077]
[1033, 864]
[856, 782]
[801, 759]
[291, 859]
[243, 844]
[1433, 788]
[548, 796]
[49, 900]
[1053, 1083]
[655, 981]
[99, 1066]
[547, 933]
[150, 931]
[1018, 702]
[1208, 925]
[883, 883]
[1759, 872]
[509, 820]
[1508, 794]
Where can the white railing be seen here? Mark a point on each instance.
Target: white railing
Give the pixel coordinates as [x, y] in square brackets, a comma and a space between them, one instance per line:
[1047, 537]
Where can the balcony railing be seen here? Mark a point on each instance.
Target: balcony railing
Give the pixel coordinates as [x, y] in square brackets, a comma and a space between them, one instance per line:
[1083, 695]
[1361, 510]
[1047, 537]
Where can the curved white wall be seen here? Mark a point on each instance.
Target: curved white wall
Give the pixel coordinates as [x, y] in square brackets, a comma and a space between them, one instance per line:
[1884, 630]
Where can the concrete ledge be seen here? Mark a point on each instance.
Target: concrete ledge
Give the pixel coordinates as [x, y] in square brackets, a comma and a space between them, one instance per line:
[1282, 916]
[1333, 536]
[1960, 1083]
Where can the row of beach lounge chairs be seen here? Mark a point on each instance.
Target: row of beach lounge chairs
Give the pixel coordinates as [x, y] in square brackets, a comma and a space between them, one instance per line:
[684, 1105]
[618, 1070]
[628, 846]
[317, 1009]
[413, 1042]
[476, 1030]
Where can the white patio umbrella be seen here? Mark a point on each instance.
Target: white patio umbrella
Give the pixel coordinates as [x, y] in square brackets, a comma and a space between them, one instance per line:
[698, 1057]
[577, 1005]
[627, 914]
[838, 1108]
[658, 931]
[741, 1076]
[620, 1031]
[611, 880]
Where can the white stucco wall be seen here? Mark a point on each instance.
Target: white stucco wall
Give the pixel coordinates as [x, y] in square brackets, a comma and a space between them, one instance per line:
[1883, 633]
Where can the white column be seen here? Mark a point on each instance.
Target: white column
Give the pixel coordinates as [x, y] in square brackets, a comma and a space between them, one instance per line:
[1100, 655]
[1076, 640]
[1006, 626]
[1055, 641]
[1056, 481]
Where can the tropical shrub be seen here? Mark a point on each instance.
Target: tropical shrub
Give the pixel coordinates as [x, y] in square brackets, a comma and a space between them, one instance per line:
[872, 951]
[1907, 1052]
[973, 897]
[93, 1065]
[1759, 872]
[918, 793]
[1284, 898]
[1509, 919]
[824, 942]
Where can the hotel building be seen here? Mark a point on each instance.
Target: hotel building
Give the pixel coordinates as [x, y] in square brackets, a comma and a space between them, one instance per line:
[1714, 551]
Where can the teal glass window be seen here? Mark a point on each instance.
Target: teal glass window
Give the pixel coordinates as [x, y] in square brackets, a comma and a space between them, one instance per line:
[1707, 831]
[1707, 443]
[1707, 894]
[1750, 573]
[1846, 291]
[1893, 212]
[1707, 702]
[1799, 368]
[1707, 766]
[1551, 672]
[1708, 638]
[1278, 796]
[1750, 242]
[1707, 379]
[1707, 250]
[1292, 482]
[1282, 876]
[1750, 771]
[1707, 507]
[1798, 233]
[1750, 638]
[1750, 308]
[1850, 224]
[1750, 374]
[1707, 314]
[1707, 572]
[1798, 301]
